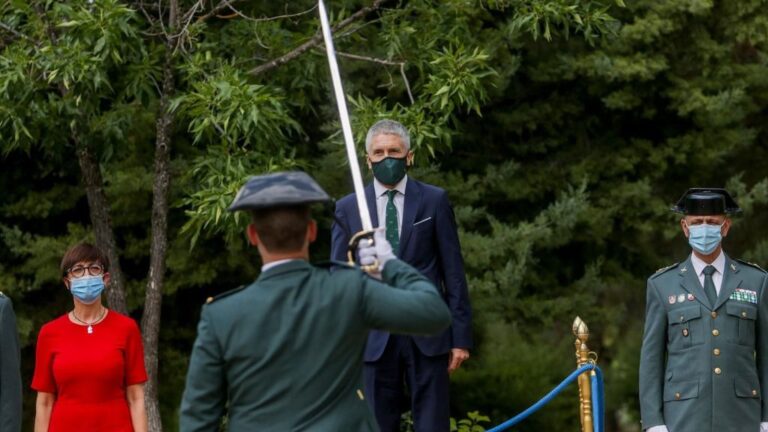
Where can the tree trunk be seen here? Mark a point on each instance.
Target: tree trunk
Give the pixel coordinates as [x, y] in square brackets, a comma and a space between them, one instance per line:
[102, 224]
[150, 322]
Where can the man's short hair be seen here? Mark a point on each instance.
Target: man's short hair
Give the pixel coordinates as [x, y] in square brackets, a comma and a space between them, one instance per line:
[282, 229]
[83, 252]
[388, 127]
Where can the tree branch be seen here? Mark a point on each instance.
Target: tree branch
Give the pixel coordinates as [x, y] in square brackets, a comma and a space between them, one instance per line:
[370, 59]
[315, 40]
[18, 34]
[223, 4]
[383, 62]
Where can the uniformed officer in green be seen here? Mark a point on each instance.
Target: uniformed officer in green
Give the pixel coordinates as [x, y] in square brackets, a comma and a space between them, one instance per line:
[285, 353]
[10, 378]
[704, 359]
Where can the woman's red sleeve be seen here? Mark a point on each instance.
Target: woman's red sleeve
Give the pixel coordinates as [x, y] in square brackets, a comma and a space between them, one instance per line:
[43, 379]
[135, 373]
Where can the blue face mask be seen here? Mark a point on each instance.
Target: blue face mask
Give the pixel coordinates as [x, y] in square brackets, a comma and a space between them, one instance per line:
[87, 288]
[704, 238]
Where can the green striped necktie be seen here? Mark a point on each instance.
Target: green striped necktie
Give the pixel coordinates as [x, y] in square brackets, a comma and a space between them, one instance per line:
[392, 232]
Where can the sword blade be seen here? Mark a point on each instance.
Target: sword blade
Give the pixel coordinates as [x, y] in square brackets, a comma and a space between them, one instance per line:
[346, 127]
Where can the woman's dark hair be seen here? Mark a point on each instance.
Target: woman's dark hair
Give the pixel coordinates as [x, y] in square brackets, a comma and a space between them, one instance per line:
[83, 252]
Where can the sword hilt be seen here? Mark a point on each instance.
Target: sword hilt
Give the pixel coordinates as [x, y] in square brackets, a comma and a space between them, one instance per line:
[353, 244]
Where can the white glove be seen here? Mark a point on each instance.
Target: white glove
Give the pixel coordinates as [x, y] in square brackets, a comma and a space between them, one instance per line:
[660, 428]
[381, 250]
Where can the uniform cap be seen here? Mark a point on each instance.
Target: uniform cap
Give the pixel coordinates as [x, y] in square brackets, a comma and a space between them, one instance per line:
[706, 202]
[278, 189]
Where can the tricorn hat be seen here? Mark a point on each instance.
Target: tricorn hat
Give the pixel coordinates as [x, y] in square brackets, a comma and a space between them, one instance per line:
[706, 202]
[278, 189]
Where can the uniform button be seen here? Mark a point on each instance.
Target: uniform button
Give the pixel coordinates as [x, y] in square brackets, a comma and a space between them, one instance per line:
[677, 396]
[715, 332]
[714, 314]
[754, 392]
[718, 371]
[716, 351]
[744, 314]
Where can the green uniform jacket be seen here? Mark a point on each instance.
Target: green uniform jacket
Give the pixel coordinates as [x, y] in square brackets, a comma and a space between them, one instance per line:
[703, 367]
[286, 353]
[10, 378]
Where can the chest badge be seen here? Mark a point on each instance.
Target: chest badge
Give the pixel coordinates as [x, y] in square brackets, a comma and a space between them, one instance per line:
[681, 298]
[691, 297]
[745, 295]
[672, 299]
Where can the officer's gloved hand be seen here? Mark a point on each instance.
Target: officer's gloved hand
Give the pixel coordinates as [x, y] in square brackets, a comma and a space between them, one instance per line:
[381, 250]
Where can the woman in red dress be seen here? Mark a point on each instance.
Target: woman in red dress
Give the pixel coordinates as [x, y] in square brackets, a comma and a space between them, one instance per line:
[89, 366]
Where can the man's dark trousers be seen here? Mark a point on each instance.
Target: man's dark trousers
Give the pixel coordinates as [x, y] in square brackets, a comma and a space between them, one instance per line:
[426, 375]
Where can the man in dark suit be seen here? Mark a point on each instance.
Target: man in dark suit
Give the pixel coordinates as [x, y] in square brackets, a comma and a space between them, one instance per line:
[421, 227]
[285, 353]
[10, 378]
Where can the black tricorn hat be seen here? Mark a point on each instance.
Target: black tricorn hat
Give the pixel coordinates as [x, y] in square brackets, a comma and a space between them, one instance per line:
[706, 202]
[278, 189]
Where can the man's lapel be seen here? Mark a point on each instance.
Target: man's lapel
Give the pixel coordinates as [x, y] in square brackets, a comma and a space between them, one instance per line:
[370, 196]
[731, 281]
[690, 282]
[411, 207]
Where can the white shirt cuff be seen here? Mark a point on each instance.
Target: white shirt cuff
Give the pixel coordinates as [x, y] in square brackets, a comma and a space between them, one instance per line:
[764, 427]
[660, 428]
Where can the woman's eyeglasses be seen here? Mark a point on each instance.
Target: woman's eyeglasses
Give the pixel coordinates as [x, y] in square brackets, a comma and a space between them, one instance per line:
[79, 271]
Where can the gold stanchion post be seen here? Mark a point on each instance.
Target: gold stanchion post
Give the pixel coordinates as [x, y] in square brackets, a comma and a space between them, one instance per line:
[581, 331]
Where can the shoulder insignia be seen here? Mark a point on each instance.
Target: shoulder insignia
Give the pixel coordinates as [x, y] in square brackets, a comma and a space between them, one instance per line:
[3, 295]
[212, 299]
[664, 269]
[751, 265]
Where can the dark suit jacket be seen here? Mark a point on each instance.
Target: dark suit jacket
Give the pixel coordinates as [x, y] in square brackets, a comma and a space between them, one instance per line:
[10, 378]
[429, 241]
[285, 353]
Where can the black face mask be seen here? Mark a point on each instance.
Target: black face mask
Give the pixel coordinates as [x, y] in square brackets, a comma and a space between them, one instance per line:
[390, 171]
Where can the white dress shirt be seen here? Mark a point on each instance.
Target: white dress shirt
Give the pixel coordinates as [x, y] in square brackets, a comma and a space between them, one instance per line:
[274, 264]
[717, 278]
[382, 198]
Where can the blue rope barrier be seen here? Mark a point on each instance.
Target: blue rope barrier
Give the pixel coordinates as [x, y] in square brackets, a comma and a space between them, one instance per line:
[597, 399]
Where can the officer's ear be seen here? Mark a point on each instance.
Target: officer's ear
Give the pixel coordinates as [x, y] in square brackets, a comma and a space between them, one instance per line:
[253, 236]
[684, 226]
[726, 226]
[311, 231]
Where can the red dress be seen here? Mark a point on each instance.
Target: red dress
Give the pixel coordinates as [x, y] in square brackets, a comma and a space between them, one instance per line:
[89, 373]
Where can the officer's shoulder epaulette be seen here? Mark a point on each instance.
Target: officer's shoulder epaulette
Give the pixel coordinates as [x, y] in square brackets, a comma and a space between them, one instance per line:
[212, 299]
[663, 270]
[1, 294]
[751, 264]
